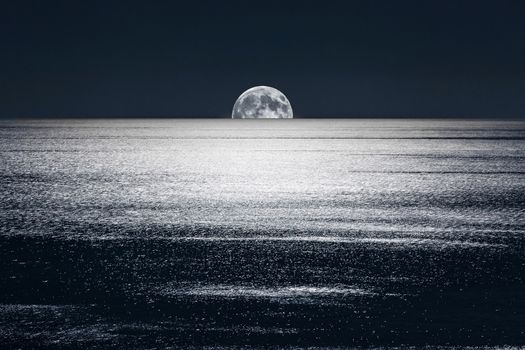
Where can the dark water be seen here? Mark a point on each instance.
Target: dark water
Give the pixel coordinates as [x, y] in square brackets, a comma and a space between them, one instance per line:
[232, 233]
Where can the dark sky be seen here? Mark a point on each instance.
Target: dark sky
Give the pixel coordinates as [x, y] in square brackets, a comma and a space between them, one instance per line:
[193, 58]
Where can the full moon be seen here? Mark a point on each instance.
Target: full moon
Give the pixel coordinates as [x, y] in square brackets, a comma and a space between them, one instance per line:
[262, 102]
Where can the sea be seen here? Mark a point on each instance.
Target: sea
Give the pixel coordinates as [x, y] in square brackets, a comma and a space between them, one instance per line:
[262, 234]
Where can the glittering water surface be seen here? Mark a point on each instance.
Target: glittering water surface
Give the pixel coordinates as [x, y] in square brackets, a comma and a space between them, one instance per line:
[328, 233]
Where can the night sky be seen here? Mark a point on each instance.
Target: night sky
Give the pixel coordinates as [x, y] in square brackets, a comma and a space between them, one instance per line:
[194, 58]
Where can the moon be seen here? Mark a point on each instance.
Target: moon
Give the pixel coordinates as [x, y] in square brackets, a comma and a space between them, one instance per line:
[262, 102]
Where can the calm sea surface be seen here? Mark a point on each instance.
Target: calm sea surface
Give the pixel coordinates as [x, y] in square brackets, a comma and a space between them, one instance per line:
[150, 233]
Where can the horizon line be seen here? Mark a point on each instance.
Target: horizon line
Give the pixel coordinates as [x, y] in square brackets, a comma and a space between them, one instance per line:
[395, 116]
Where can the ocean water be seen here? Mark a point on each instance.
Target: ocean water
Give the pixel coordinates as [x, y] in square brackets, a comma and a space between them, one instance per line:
[155, 233]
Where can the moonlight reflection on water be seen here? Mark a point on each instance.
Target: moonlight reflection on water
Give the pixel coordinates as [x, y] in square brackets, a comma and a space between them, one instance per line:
[317, 233]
